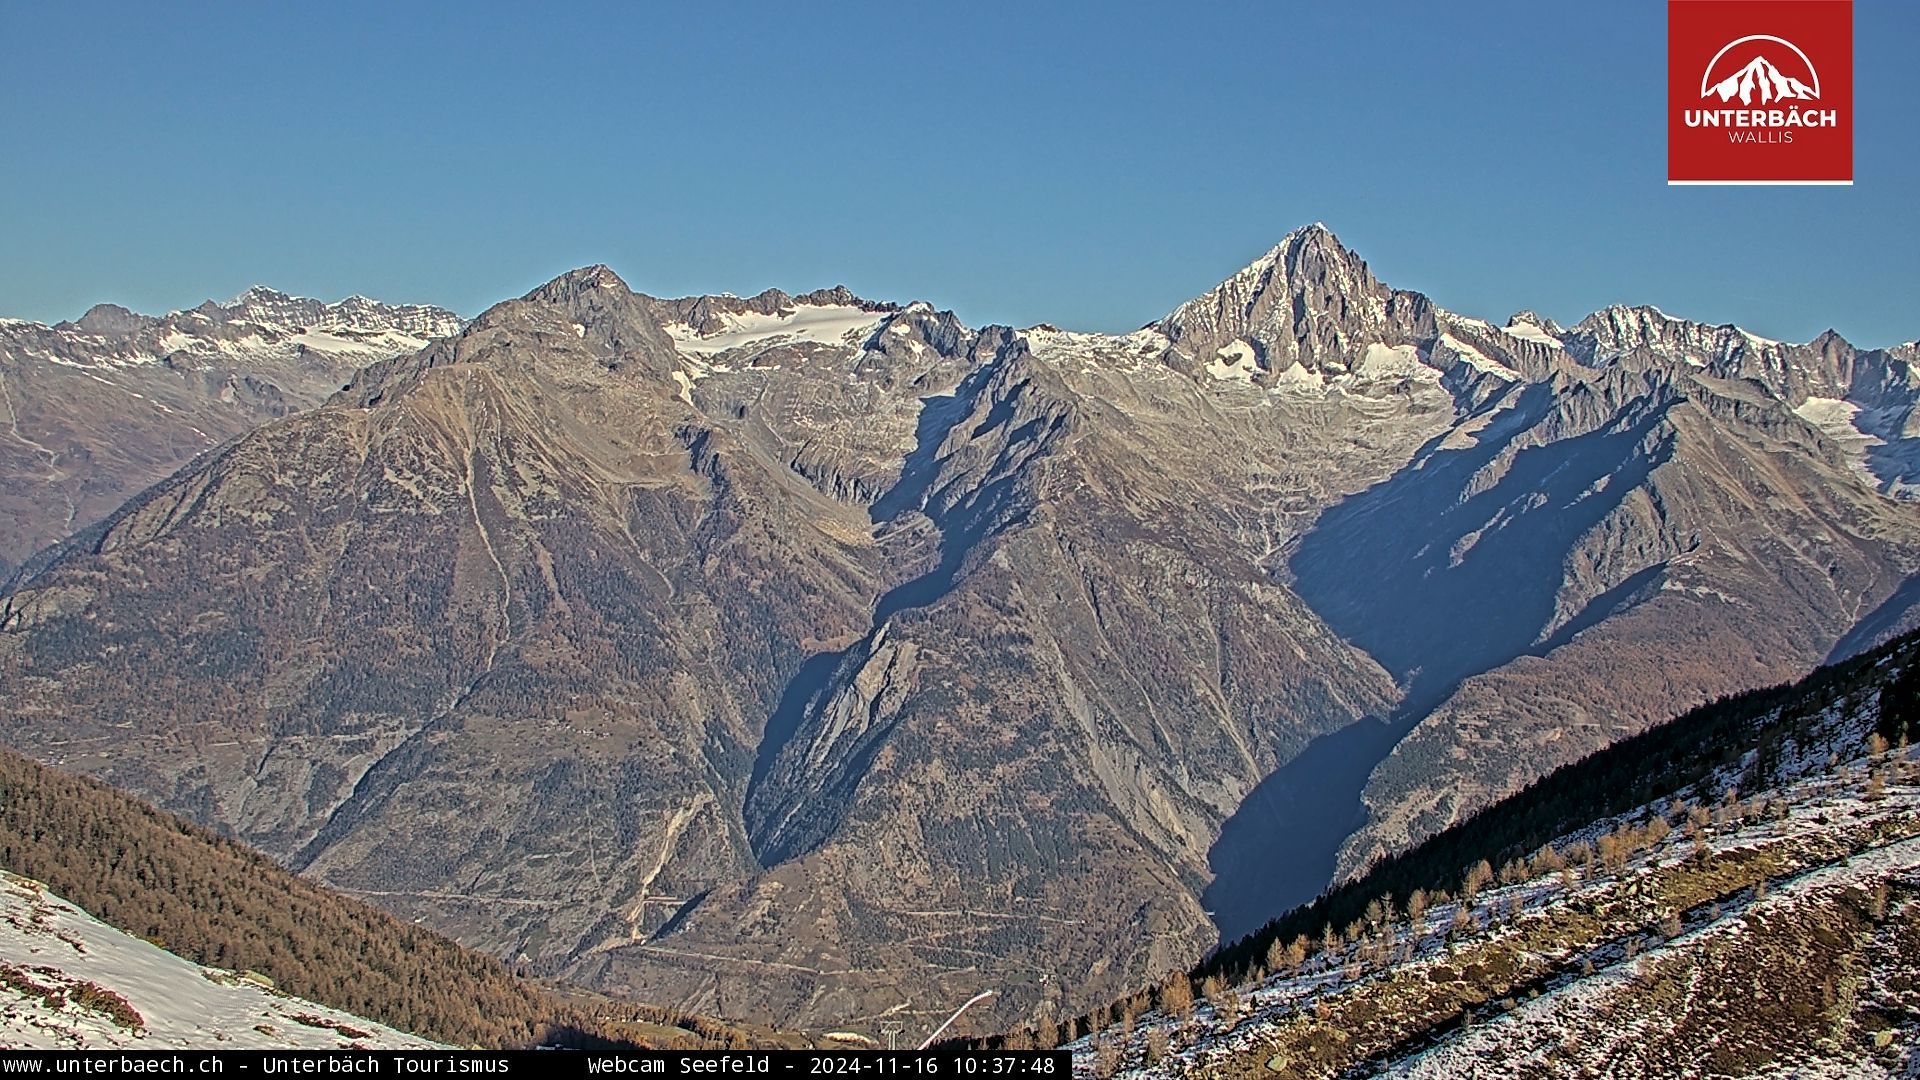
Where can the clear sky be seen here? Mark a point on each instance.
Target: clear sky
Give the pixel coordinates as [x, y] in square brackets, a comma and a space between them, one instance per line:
[1090, 165]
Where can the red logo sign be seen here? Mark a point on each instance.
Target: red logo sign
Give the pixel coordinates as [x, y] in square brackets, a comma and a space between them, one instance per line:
[1760, 91]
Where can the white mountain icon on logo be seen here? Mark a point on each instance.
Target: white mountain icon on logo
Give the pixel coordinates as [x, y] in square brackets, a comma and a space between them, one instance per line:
[1760, 80]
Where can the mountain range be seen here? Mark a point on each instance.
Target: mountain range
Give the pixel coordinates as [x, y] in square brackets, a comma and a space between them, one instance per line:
[808, 658]
[99, 408]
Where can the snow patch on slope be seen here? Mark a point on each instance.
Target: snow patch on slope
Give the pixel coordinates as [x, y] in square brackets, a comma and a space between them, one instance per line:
[1478, 360]
[1838, 420]
[1236, 362]
[1833, 417]
[1087, 352]
[337, 342]
[1527, 331]
[1386, 361]
[1298, 377]
[831, 324]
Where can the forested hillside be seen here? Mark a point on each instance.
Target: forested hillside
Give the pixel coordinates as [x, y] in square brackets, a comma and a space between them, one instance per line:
[215, 902]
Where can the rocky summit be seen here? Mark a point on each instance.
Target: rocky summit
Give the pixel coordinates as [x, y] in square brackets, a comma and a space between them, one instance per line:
[803, 658]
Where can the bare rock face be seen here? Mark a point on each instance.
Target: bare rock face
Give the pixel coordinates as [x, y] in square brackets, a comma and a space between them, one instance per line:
[94, 410]
[806, 658]
[1309, 303]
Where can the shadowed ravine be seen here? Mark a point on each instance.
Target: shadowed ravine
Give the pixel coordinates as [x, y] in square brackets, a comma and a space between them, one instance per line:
[1278, 850]
[1387, 569]
[815, 680]
[1894, 614]
[803, 694]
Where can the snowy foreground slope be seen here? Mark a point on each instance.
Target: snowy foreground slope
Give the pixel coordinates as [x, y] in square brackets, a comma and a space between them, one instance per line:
[69, 981]
[1719, 933]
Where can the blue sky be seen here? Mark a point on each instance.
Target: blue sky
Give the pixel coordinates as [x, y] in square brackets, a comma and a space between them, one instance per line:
[1087, 165]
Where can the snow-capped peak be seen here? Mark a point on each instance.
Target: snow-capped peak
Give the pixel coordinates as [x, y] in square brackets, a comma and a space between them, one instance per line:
[1305, 250]
[271, 308]
[257, 294]
[1309, 300]
[1307, 256]
[1528, 326]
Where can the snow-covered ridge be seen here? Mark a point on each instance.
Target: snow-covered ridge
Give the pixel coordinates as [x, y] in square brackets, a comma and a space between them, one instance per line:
[50, 949]
[828, 324]
[1528, 327]
[259, 323]
[1567, 1015]
[269, 307]
[1448, 345]
[1082, 351]
[1830, 818]
[1614, 331]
